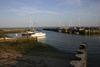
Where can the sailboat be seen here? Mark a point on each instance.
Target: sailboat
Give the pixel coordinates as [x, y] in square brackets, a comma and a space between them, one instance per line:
[37, 34]
[28, 33]
[60, 28]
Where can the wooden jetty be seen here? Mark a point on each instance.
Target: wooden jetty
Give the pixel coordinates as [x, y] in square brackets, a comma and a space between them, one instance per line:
[80, 57]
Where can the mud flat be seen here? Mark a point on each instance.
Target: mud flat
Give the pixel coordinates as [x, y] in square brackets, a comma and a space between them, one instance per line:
[30, 53]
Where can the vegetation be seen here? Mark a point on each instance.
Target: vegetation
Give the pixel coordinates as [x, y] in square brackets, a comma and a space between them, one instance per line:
[14, 30]
[6, 31]
[25, 44]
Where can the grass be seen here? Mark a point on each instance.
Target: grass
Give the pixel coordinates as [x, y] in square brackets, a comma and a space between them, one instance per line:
[23, 45]
[6, 31]
[34, 48]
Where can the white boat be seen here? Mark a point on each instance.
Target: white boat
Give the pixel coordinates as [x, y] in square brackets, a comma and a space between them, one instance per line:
[60, 30]
[37, 34]
[76, 32]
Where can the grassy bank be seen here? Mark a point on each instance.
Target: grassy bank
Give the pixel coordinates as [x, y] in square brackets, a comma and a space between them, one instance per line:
[19, 44]
[6, 31]
[26, 44]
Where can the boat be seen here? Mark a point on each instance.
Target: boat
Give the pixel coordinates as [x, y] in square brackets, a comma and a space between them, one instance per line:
[76, 33]
[37, 34]
[28, 33]
[60, 30]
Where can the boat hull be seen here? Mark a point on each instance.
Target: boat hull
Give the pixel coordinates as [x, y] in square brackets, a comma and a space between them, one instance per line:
[26, 34]
[38, 34]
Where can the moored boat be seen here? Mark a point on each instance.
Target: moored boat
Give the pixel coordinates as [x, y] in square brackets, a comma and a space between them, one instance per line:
[27, 33]
[76, 32]
[38, 34]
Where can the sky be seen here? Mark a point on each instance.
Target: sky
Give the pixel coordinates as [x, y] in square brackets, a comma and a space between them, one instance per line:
[50, 13]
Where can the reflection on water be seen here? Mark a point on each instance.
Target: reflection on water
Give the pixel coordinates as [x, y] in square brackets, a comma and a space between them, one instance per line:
[70, 43]
[41, 39]
[14, 35]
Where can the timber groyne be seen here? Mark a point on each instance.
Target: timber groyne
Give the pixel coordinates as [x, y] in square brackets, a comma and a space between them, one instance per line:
[80, 57]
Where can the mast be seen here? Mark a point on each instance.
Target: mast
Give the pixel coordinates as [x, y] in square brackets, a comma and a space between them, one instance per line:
[79, 22]
[59, 23]
[36, 21]
[30, 21]
[71, 24]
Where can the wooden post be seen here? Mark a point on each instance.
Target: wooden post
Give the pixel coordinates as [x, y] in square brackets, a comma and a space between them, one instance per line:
[27, 38]
[36, 38]
[4, 36]
[16, 37]
[4, 39]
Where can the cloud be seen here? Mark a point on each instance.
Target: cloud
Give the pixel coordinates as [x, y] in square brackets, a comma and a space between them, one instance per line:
[50, 12]
[69, 2]
[23, 9]
[79, 1]
[27, 10]
[12, 9]
[18, 3]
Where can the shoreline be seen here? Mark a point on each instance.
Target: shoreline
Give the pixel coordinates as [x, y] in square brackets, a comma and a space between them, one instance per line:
[32, 53]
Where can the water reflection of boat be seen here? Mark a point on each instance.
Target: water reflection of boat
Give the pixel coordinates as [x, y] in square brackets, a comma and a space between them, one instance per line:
[41, 37]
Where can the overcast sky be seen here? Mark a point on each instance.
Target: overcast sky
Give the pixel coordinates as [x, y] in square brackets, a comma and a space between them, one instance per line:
[16, 13]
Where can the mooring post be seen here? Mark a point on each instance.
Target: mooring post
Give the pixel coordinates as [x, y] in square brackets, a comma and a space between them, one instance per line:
[16, 37]
[27, 38]
[36, 38]
[4, 39]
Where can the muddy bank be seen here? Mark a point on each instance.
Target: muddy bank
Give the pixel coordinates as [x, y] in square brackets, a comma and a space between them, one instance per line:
[32, 54]
[44, 59]
[8, 57]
